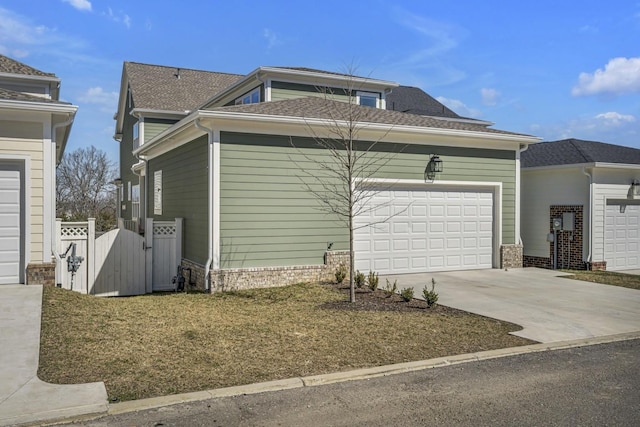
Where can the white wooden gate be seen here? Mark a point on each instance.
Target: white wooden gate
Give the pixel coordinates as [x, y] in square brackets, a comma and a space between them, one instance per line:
[120, 262]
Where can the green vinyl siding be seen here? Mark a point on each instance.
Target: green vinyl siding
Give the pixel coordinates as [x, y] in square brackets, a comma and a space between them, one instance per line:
[184, 194]
[127, 160]
[269, 218]
[153, 127]
[282, 90]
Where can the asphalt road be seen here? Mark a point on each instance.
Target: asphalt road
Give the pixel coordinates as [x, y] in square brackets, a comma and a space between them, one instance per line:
[588, 386]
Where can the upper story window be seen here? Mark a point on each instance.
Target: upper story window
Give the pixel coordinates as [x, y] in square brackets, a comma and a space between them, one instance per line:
[252, 97]
[368, 99]
[136, 135]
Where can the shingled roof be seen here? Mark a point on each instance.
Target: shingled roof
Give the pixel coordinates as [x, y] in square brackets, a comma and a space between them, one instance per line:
[413, 100]
[576, 151]
[20, 96]
[11, 66]
[319, 108]
[157, 87]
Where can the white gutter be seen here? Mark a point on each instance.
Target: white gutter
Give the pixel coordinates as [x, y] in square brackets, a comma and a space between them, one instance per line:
[210, 195]
[590, 175]
[47, 107]
[54, 249]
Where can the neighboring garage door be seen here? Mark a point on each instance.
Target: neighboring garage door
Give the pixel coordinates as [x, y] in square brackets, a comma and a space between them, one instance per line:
[622, 237]
[10, 224]
[430, 231]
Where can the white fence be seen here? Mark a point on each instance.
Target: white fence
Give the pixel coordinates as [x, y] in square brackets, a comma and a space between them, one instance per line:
[120, 262]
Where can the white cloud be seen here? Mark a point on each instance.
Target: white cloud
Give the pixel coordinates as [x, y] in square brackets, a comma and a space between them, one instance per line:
[489, 96]
[611, 127]
[272, 38]
[79, 4]
[460, 107]
[96, 95]
[614, 119]
[119, 17]
[620, 76]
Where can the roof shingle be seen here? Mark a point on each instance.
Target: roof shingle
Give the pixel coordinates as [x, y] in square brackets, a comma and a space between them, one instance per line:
[11, 66]
[319, 108]
[576, 151]
[413, 100]
[20, 96]
[157, 87]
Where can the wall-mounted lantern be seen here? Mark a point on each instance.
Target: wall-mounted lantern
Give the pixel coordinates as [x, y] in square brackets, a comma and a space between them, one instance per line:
[634, 191]
[434, 166]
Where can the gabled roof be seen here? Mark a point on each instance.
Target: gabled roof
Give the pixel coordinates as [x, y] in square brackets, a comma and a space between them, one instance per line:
[413, 100]
[157, 87]
[319, 108]
[576, 151]
[11, 66]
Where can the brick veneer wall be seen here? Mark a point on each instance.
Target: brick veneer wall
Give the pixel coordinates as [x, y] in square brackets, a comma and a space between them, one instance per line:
[571, 250]
[41, 274]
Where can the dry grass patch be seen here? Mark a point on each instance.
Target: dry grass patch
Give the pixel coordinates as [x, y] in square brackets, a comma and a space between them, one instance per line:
[156, 345]
[631, 281]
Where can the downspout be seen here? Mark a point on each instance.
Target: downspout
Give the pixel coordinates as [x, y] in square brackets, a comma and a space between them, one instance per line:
[519, 192]
[146, 188]
[207, 266]
[590, 239]
[54, 237]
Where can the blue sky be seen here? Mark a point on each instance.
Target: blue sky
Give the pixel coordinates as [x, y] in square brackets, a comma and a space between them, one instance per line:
[554, 69]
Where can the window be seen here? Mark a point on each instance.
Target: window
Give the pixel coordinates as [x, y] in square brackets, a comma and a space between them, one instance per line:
[129, 190]
[252, 97]
[157, 192]
[136, 135]
[135, 201]
[368, 99]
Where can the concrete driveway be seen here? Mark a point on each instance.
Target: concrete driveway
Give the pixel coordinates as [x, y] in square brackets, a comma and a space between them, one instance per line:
[548, 307]
[24, 398]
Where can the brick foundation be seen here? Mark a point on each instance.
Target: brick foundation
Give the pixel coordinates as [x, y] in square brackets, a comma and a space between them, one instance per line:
[265, 277]
[197, 275]
[41, 274]
[537, 261]
[511, 256]
[597, 266]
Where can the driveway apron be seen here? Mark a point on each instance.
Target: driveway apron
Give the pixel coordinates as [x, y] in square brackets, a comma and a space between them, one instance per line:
[548, 307]
[23, 397]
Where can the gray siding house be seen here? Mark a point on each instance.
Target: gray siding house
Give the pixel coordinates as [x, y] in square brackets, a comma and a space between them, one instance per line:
[232, 155]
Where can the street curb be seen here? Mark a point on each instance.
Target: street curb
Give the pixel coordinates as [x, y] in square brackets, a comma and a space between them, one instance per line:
[360, 374]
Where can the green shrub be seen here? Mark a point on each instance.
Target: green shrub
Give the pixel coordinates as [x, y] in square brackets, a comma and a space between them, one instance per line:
[391, 289]
[341, 274]
[372, 281]
[430, 296]
[359, 279]
[407, 294]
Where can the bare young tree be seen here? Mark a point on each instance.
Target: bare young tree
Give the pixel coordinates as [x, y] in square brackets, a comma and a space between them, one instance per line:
[85, 188]
[342, 181]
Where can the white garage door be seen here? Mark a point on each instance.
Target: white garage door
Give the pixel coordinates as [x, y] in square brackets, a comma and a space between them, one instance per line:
[429, 231]
[622, 237]
[9, 226]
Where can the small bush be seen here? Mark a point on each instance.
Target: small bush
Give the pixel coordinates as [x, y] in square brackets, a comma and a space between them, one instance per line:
[407, 294]
[359, 279]
[341, 274]
[372, 281]
[391, 289]
[430, 296]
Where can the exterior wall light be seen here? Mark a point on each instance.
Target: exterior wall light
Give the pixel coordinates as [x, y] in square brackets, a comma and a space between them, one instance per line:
[634, 191]
[434, 166]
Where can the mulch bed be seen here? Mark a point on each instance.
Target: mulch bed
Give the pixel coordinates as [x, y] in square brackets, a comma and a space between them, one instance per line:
[379, 300]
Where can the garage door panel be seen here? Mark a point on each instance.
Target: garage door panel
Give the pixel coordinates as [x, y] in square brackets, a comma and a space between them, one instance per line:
[440, 231]
[10, 223]
[622, 237]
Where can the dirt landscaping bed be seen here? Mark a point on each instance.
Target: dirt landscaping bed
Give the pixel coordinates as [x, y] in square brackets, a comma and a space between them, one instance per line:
[163, 344]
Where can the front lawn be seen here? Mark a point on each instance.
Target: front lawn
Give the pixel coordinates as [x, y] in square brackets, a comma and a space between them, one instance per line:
[606, 277]
[163, 344]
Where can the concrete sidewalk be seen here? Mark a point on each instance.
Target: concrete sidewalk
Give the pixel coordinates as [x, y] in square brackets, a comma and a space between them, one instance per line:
[23, 397]
[548, 307]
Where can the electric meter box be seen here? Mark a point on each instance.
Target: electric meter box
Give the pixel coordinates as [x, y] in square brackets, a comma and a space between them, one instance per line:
[557, 224]
[568, 219]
